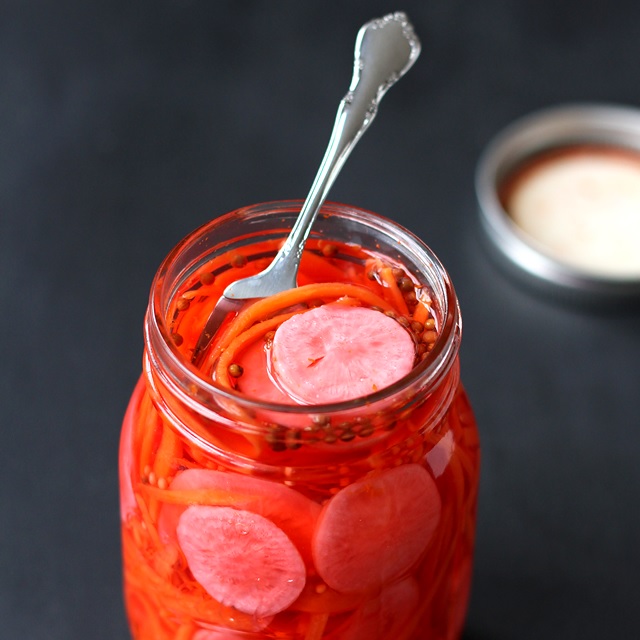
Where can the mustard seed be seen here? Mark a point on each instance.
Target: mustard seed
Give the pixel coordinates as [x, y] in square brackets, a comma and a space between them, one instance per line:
[238, 260]
[417, 327]
[329, 250]
[235, 370]
[182, 304]
[207, 278]
[405, 284]
[429, 337]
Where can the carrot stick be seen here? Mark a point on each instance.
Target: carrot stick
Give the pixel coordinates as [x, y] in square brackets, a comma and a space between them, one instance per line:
[397, 298]
[327, 601]
[186, 631]
[146, 518]
[150, 425]
[317, 623]
[421, 313]
[151, 626]
[221, 374]
[169, 450]
[186, 497]
[146, 434]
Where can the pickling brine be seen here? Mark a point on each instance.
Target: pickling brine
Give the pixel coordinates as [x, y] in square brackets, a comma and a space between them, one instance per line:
[313, 473]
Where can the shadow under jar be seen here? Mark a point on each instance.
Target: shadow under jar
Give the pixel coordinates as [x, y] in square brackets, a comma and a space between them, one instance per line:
[248, 518]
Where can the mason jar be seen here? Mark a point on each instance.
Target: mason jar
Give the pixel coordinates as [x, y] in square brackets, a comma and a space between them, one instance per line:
[248, 514]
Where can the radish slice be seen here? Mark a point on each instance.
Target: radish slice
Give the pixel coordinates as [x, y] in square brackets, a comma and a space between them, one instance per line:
[374, 530]
[241, 559]
[292, 512]
[337, 352]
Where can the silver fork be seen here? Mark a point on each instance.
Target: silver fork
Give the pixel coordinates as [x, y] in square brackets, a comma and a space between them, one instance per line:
[385, 50]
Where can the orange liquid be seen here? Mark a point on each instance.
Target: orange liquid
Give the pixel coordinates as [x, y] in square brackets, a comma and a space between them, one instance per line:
[165, 602]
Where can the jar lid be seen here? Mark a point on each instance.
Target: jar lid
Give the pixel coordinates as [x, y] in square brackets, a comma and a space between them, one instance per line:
[559, 198]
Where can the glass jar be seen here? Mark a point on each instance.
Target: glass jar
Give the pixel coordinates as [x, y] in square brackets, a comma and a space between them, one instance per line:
[249, 518]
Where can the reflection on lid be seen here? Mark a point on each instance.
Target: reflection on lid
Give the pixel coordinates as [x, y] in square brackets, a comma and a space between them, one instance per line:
[581, 203]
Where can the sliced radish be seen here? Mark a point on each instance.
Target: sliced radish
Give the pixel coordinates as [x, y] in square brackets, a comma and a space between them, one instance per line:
[374, 530]
[338, 352]
[292, 512]
[241, 559]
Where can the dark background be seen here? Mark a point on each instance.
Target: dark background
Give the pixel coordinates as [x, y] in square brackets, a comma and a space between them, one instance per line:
[124, 125]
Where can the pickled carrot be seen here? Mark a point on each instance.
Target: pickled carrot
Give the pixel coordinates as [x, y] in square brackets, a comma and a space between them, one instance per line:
[146, 519]
[150, 429]
[317, 623]
[395, 294]
[169, 450]
[242, 340]
[185, 631]
[327, 600]
[185, 497]
[421, 313]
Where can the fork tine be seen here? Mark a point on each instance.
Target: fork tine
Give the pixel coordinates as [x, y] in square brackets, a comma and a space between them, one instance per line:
[223, 308]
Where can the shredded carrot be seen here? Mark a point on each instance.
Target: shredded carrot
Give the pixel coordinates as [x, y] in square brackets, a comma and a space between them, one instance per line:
[242, 340]
[169, 450]
[149, 425]
[395, 294]
[317, 623]
[149, 621]
[421, 313]
[185, 497]
[186, 631]
[146, 518]
[326, 600]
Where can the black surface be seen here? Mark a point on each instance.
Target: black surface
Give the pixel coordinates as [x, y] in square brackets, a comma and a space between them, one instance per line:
[124, 125]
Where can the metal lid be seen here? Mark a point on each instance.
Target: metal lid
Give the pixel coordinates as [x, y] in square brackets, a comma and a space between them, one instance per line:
[550, 129]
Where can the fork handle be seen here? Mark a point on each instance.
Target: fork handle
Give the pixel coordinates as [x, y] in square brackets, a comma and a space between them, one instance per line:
[385, 50]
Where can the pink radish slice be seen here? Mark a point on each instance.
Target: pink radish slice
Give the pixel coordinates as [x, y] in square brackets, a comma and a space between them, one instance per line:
[374, 530]
[292, 512]
[241, 559]
[386, 615]
[337, 352]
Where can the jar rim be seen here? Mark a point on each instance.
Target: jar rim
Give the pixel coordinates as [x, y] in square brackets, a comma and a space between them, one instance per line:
[183, 377]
